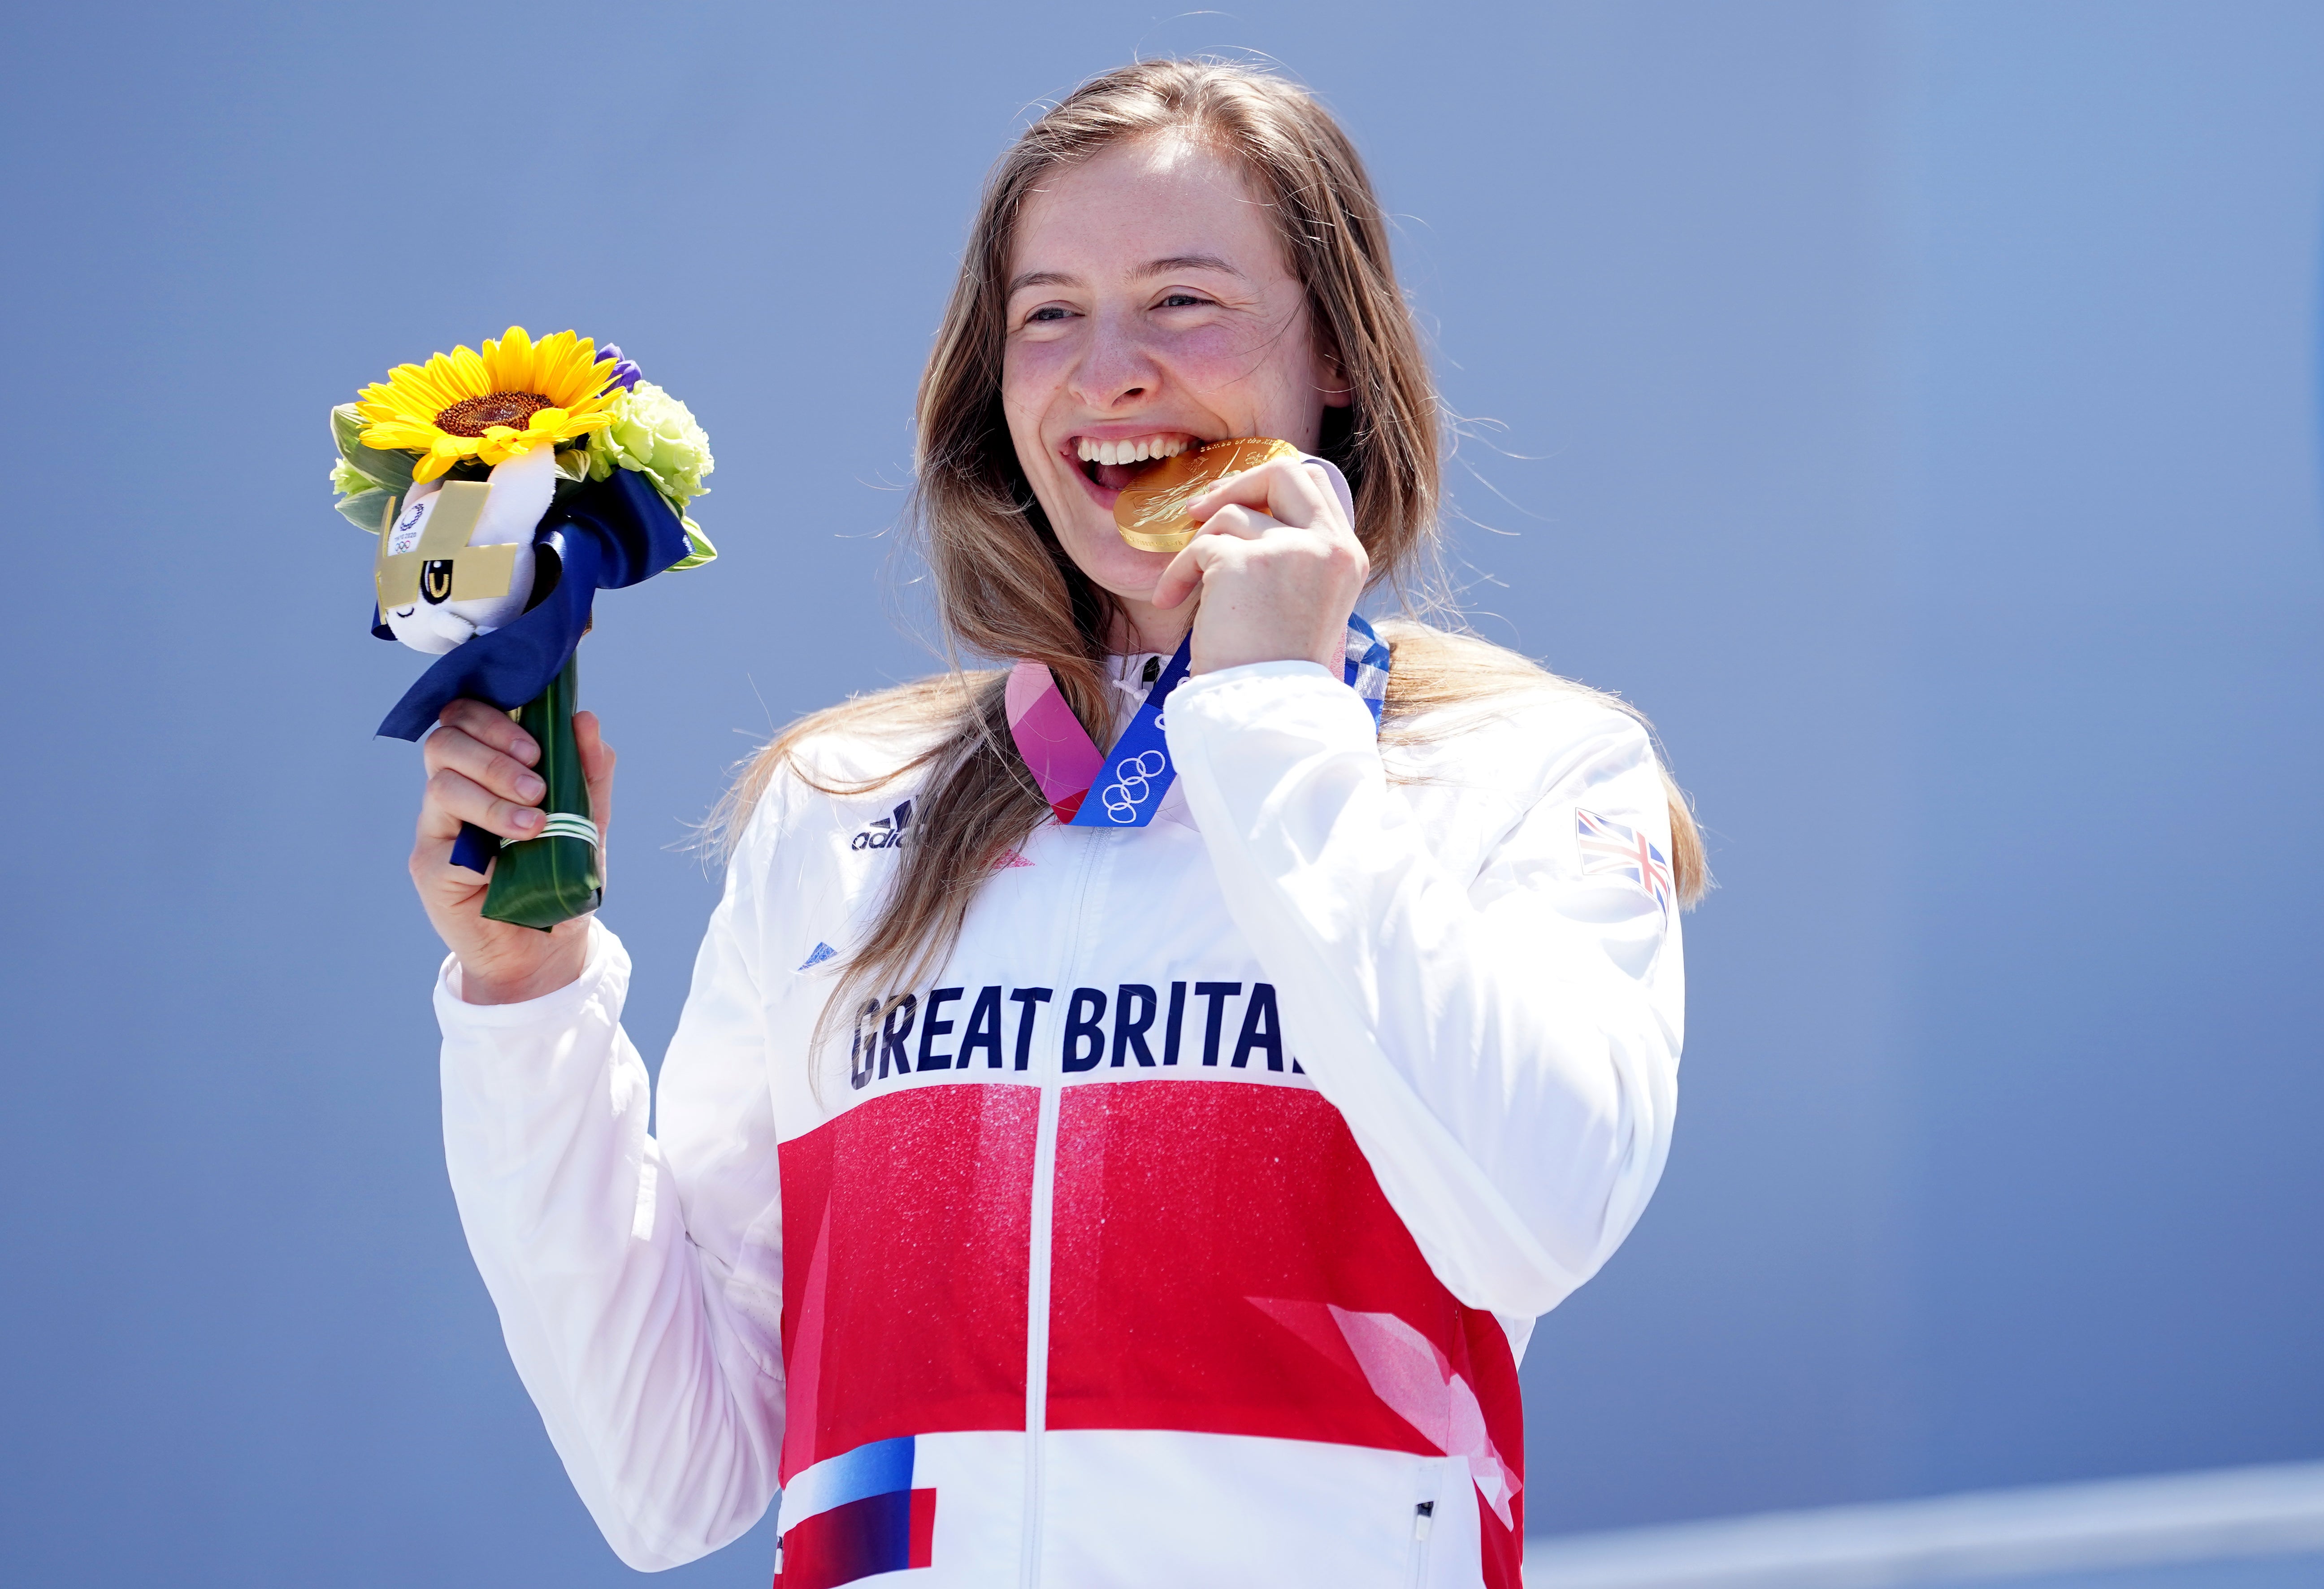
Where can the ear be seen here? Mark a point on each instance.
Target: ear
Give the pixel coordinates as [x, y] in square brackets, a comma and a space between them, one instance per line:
[1337, 393]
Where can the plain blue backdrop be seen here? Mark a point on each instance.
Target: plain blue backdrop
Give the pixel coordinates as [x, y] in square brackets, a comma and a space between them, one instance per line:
[1912, 406]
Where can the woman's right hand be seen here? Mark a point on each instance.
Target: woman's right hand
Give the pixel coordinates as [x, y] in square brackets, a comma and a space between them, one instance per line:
[480, 770]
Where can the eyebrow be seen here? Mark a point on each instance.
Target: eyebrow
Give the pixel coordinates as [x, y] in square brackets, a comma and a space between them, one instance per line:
[1188, 261]
[1152, 267]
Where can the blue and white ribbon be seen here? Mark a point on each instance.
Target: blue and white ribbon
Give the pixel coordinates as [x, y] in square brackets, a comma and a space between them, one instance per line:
[1137, 773]
[1367, 667]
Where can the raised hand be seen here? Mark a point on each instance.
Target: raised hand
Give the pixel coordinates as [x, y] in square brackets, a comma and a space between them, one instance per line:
[1280, 566]
[480, 770]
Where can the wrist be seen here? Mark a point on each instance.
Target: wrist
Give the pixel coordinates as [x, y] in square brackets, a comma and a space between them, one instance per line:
[487, 979]
[1219, 659]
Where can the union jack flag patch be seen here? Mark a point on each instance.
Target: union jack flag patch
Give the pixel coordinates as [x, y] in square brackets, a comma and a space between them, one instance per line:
[1610, 849]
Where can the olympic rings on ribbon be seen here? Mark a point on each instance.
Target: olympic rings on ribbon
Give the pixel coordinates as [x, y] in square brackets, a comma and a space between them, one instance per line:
[1131, 786]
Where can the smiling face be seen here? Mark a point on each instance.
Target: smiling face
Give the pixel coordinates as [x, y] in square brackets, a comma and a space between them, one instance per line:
[1150, 309]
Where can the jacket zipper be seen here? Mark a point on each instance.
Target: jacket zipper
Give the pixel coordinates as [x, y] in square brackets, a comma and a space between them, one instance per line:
[1423, 1520]
[1095, 849]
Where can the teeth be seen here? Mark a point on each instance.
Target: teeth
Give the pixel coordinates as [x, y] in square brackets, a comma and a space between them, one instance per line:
[1133, 451]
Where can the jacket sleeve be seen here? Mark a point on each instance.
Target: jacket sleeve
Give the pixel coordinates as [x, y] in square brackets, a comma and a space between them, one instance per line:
[638, 1281]
[1503, 1040]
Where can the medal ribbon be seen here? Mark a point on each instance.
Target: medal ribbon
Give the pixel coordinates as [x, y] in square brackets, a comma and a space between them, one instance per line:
[1128, 784]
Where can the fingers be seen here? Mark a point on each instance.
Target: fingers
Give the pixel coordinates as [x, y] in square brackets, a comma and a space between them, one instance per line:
[1201, 554]
[492, 726]
[1282, 495]
[453, 798]
[1184, 573]
[597, 766]
[1285, 491]
[452, 750]
[478, 772]
[1244, 523]
[596, 756]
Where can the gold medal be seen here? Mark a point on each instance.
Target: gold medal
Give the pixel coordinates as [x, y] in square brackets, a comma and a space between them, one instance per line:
[1151, 511]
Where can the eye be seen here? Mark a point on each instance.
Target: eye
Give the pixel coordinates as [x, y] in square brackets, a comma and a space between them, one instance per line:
[1047, 311]
[1183, 300]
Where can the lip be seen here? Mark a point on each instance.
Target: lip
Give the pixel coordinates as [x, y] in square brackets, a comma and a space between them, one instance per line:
[1100, 495]
[1097, 493]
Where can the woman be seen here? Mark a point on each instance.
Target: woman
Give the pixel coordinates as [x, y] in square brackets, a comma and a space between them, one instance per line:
[1232, 1155]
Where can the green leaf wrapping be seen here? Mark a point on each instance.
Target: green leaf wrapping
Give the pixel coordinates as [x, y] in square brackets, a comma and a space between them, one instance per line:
[366, 509]
[542, 882]
[699, 549]
[391, 470]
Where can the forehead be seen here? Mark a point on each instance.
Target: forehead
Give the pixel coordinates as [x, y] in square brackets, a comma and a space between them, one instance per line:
[1158, 197]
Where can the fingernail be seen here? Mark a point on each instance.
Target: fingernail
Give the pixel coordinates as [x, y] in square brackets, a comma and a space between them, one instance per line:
[530, 787]
[524, 750]
[527, 818]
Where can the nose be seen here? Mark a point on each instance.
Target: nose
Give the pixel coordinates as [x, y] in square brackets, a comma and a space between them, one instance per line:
[1117, 367]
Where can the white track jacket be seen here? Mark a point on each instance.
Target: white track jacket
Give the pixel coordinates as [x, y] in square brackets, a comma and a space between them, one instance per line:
[1186, 1230]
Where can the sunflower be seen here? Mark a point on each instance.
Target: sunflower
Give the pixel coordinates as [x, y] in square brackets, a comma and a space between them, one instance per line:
[516, 395]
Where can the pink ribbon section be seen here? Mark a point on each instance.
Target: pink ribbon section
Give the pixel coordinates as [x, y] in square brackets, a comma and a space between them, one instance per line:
[1406, 1371]
[1057, 749]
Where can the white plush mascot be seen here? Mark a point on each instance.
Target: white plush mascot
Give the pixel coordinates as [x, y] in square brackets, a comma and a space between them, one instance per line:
[457, 559]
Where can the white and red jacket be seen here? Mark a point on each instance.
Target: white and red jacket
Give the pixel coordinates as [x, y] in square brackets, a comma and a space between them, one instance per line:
[1187, 1229]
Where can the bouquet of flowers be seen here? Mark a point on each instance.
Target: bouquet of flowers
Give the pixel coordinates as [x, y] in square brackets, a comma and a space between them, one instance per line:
[507, 488]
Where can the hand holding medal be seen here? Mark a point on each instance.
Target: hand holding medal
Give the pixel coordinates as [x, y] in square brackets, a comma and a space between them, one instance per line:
[1267, 533]
[1154, 512]
[507, 488]
[1281, 525]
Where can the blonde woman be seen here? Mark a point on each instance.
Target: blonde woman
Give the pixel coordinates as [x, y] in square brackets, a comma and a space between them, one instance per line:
[1160, 1197]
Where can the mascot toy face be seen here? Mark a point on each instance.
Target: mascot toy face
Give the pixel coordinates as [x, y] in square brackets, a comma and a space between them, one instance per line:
[456, 559]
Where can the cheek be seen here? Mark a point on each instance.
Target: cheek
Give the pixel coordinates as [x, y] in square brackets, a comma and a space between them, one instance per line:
[1029, 390]
[1213, 357]
[1256, 378]
[1031, 372]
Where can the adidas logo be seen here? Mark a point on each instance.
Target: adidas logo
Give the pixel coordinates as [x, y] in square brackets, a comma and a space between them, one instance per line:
[885, 832]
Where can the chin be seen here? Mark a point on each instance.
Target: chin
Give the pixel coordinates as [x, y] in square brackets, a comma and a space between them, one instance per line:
[1097, 548]
[1120, 568]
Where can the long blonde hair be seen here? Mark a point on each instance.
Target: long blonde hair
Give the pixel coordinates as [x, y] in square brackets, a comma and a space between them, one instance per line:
[1004, 585]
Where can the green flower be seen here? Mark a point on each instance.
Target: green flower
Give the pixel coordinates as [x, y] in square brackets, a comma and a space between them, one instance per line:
[655, 434]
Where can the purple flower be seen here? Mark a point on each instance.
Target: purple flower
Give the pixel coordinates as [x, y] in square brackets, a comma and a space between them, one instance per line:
[625, 374]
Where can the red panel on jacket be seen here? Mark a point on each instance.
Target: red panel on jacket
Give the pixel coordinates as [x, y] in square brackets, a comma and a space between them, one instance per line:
[1203, 1231]
[907, 1225]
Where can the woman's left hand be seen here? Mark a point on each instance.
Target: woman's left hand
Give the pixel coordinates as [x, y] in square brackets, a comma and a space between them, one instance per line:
[1280, 567]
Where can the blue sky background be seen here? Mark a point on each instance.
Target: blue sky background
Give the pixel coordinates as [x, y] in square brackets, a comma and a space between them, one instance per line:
[1912, 406]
